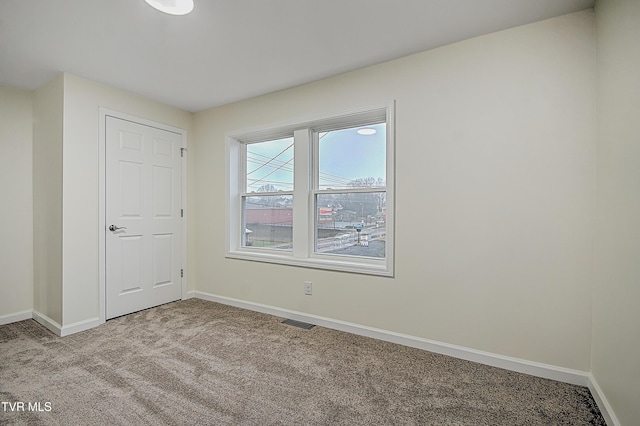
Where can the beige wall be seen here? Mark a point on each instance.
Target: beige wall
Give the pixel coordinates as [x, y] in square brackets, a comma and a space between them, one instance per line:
[495, 160]
[16, 214]
[47, 199]
[616, 325]
[82, 99]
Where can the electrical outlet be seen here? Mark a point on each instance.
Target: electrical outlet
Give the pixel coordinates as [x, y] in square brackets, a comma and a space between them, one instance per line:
[307, 288]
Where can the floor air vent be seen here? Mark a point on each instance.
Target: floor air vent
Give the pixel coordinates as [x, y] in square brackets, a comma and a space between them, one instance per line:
[298, 324]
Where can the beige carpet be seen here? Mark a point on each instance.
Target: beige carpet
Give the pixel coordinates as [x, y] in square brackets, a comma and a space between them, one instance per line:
[198, 362]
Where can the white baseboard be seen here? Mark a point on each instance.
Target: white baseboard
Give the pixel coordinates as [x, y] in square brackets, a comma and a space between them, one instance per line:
[15, 317]
[603, 404]
[65, 330]
[44, 320]
[546, 371]
[79, 326]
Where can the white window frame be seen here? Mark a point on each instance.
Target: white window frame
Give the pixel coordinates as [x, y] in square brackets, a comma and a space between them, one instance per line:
[304, 192]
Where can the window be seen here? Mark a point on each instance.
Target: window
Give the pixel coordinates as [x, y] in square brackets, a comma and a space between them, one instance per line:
[316, 193]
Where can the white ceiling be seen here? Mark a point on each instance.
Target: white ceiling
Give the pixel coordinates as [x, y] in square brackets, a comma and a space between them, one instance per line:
[228, 50]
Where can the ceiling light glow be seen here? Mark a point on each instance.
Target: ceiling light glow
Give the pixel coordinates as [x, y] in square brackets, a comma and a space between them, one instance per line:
[172, 7]
[367, 131]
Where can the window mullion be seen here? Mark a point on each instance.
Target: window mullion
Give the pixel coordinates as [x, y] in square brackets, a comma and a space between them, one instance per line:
[301, 187]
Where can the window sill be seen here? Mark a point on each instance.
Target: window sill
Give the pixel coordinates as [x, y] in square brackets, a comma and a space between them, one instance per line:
[357, 266]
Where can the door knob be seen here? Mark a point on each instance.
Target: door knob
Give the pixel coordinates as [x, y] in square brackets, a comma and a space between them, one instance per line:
[115, 228]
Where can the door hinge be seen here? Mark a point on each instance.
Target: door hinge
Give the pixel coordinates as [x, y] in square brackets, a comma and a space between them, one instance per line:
[181, 212]
[181, 273]
[182, 150]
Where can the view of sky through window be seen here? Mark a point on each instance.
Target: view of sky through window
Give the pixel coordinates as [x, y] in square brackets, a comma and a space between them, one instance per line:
[270, 166]
[348, 159]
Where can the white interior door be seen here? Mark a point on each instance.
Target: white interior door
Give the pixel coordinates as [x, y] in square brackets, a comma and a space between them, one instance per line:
[143, 217]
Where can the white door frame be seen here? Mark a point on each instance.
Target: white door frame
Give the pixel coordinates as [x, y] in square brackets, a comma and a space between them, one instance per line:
[103, 113]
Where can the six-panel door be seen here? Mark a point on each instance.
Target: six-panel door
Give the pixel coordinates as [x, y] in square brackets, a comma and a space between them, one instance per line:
[143, 217]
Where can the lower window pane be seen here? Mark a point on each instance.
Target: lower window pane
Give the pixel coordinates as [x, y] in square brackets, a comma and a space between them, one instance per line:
[352, 224]
[268, 221]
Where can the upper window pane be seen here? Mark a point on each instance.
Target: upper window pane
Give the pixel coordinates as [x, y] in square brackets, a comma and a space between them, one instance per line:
[353, 158]
[270, 166]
